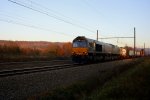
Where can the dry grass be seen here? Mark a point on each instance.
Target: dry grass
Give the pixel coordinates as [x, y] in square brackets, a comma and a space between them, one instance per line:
[131, 85]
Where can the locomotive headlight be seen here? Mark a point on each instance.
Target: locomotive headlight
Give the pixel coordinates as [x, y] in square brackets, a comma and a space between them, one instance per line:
[73, 53]
[85, 53]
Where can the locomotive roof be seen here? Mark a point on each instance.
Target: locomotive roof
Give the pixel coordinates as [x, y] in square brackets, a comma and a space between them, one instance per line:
[91, 40]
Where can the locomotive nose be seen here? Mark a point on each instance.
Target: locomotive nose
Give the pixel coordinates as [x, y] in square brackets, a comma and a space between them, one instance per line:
[80, 51]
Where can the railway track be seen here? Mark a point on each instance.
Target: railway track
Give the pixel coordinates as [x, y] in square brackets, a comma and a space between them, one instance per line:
[9, 63]
[29, 69]
[31, 64]
[5, 73]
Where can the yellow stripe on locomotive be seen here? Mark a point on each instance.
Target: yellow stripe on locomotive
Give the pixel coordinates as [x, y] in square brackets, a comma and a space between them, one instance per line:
[80, 51]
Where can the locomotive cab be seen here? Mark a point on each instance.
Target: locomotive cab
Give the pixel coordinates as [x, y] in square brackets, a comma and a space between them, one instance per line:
[80, 46]
[80, 49]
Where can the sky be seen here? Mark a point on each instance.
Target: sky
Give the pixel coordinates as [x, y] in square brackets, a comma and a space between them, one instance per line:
[63, 20]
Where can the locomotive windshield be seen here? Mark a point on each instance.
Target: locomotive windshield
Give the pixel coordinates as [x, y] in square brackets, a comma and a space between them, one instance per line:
[80, 43]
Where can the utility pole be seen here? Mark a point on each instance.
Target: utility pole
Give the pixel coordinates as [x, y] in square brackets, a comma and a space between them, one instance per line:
[144, 49]
[134, 41]
[97, 35]
[148, 52]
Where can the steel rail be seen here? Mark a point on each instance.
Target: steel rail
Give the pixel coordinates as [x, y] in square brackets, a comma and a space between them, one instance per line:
[13, 72]
[6, 63]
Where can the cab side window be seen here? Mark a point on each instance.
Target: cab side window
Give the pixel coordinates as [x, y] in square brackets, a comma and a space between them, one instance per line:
[91, 46]
[98, 47]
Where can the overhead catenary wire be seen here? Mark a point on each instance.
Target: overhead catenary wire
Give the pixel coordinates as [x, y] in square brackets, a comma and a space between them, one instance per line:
[56, 17]
[52, 16]
[14, 17]
[32, 26]
[57, 13]
[92, 7]
[19, 20]
[100, 14]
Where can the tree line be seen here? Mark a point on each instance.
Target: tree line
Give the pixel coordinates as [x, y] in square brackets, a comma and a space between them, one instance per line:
[34, 49]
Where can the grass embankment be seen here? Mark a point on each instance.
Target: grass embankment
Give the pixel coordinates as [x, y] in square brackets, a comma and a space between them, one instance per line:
[133, 84]
[128, 83]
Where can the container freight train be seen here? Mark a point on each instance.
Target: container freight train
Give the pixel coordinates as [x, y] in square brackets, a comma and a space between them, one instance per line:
[128, 52]
[88, 50]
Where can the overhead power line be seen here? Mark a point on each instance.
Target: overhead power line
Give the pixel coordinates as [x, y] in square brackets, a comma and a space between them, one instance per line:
[32, 26]
[55, 12]
[44, 12]
[115, 37]
[55, 17]
[92, 7]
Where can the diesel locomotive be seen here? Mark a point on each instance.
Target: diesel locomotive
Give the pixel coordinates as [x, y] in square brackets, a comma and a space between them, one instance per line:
[85, 49]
